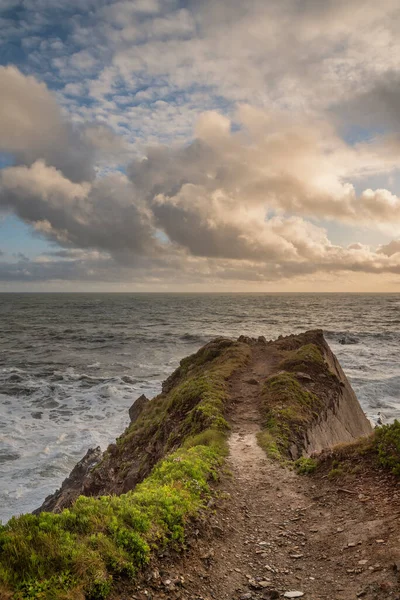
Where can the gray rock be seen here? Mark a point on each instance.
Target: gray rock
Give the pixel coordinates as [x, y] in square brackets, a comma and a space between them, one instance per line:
[72, 486]
[301, 375]
[137, 407]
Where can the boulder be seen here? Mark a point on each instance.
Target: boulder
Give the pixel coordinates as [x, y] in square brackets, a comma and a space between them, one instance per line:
[73, 485]
[137, 407]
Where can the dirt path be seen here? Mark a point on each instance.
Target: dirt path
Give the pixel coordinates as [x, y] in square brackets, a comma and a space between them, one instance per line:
[277, 532]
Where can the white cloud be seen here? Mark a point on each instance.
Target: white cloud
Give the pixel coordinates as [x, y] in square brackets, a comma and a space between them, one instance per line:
[272, 87]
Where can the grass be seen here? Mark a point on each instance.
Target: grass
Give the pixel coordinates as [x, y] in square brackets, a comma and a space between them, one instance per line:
[305, 465]
[81, 552]
[269, 445]
[302, 358]
[387, 446]
[381, 449]
[286, 409]
[84, 549]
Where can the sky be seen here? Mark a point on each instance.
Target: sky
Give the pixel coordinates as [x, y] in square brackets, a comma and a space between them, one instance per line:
[213, 145]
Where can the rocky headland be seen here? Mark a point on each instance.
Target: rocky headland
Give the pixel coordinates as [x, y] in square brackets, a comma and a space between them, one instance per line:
[254, 475]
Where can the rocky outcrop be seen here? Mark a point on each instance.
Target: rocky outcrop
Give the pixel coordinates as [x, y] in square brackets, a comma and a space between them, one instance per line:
[339, 418]
[73, 485]
[137, 408]
[330, 413]
[157, 426]
[343, 419]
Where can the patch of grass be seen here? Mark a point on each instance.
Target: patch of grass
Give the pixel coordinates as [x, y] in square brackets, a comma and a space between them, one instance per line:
[305, 466]
[204, 355]
[387, 446]
[210, 437]
[267, 442]
[336, 472]
[286, 409]
[83, 550]
[195, 402]
[302, 358]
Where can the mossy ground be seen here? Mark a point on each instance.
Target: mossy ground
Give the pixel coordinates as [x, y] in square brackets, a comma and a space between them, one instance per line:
[81, 552]
[387, 446]
[302, 358]
[380, 450]
[287, 408]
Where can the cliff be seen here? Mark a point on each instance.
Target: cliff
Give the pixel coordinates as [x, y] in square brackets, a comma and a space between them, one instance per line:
[323, 408]
[120, 518]
[160, 426]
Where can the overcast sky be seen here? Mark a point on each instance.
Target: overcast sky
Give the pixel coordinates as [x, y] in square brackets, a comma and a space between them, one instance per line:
[200, 145]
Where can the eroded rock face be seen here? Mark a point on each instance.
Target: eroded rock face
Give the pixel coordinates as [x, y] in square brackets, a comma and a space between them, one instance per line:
[159, 426]
[137, 407]
[73, 485]
[341, 418]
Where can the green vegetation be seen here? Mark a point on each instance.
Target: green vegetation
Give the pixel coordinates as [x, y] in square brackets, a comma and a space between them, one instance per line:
[302, 358]
[81, 552]
[305, 466]
[335, 473]
[387, 446]
[195, 402]
[381, 448]
[287, 407]
[83, 549]
[267, 442]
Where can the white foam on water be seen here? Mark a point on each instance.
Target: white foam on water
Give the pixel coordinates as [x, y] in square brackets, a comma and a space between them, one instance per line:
[73, 365]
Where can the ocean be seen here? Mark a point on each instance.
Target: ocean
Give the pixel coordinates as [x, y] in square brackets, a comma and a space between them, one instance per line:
[72, 364]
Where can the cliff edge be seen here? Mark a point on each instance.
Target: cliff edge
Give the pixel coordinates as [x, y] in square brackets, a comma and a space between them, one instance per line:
[203, 495]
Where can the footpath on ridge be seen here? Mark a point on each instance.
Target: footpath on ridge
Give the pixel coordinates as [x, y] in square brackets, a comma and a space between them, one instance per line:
[279, 534]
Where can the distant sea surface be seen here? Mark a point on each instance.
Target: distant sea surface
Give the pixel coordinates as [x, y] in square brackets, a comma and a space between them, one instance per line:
[72, 364]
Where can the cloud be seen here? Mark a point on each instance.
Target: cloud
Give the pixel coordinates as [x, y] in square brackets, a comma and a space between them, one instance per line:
[246, 193]
[33, 127]
[272, 161]
[232, 200]
[390, 249]
[100, 214]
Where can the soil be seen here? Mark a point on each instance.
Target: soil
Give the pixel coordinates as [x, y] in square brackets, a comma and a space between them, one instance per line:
[274, 531]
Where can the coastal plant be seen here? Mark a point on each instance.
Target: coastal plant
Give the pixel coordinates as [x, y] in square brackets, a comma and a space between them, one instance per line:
[387, 446]
[81, 552]
[305, 465]
[336, 471]
[302, 358]
[97, 541]
[286, 410]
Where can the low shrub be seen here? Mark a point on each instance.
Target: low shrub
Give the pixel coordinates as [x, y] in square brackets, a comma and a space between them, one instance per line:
[80, 552]
[387, 446]
[85, 548]
[305, 466]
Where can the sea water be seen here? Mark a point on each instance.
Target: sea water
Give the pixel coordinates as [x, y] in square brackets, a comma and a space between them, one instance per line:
[72, 364]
